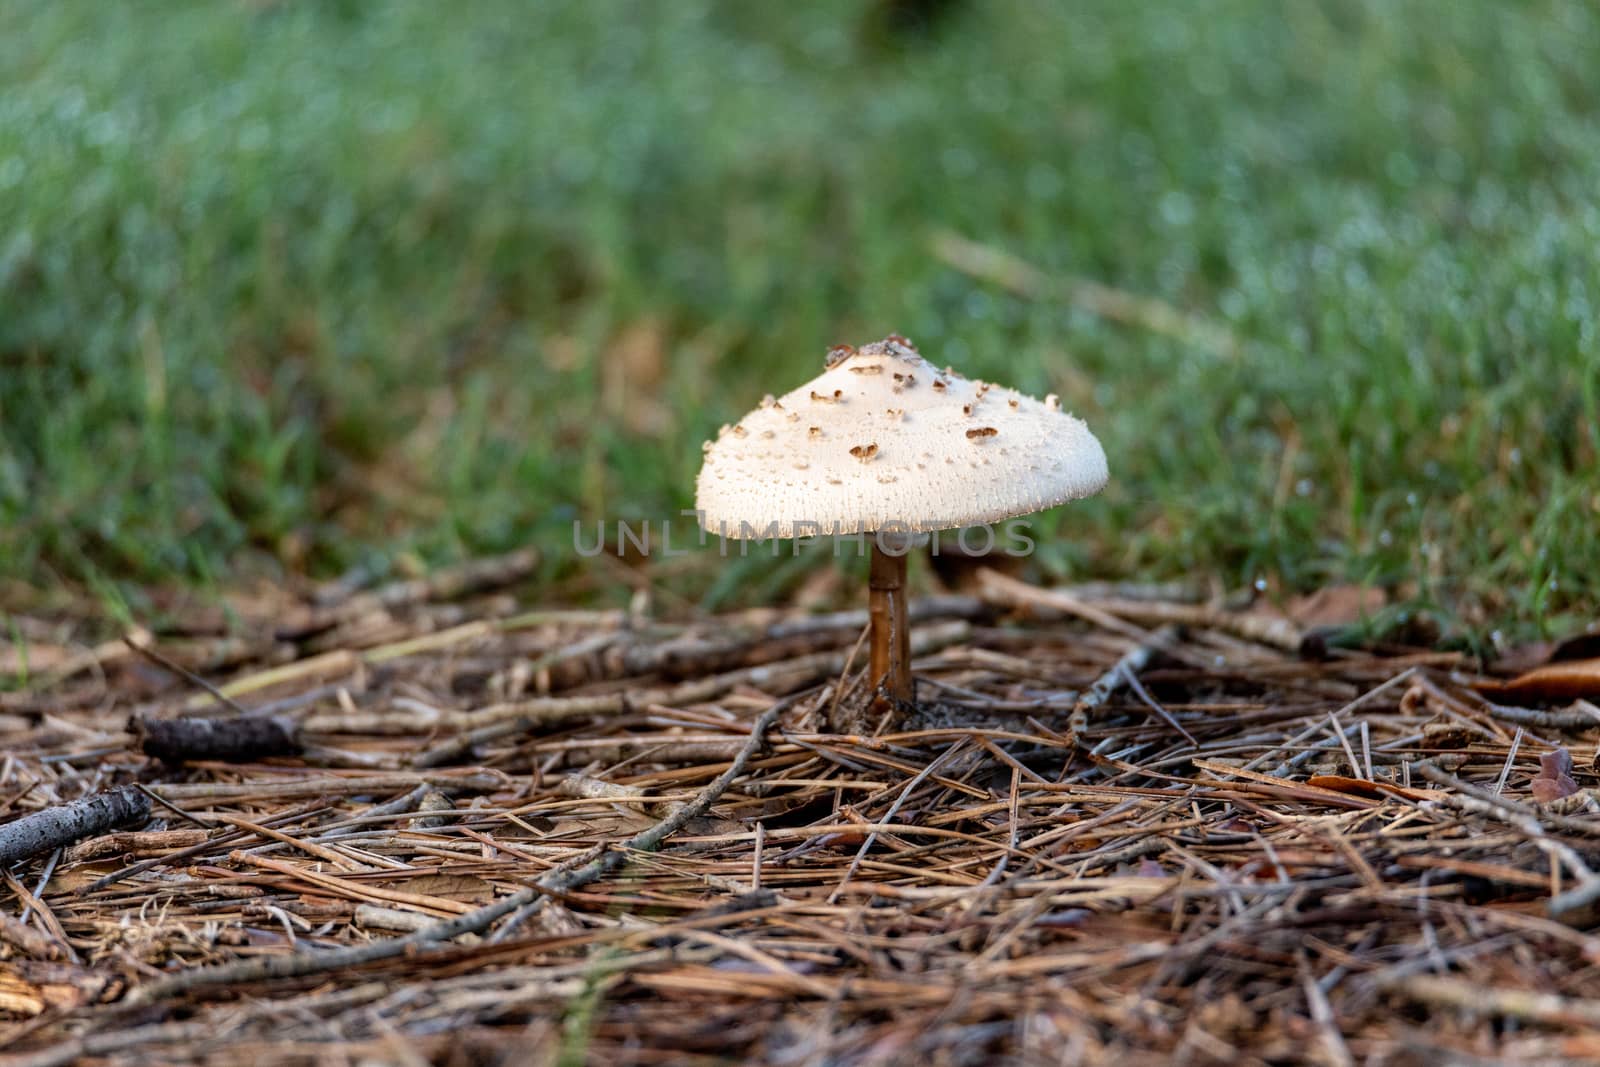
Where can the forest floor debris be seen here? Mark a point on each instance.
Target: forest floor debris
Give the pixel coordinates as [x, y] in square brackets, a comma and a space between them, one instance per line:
[505, 831]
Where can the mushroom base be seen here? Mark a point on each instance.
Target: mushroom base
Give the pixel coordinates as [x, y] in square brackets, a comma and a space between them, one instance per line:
[891, 624]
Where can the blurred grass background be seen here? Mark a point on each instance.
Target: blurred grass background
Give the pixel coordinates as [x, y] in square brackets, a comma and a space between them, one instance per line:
[291, 287]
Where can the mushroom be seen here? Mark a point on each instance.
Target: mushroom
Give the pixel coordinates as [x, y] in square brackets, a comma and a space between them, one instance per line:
[926, 469]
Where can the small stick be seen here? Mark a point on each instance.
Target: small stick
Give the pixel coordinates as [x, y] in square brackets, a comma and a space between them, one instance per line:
[44, 879]
[183, 672]
[1322, 1014]
[1132, 678]
[1120, 673]
[331, 785]
[1341, 734]
[1511, 757]
[1580, 716]
[333, 664]
[56, 827]
[755, 863]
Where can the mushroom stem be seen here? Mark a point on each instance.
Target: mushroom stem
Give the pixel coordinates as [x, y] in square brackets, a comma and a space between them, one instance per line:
[891, 626]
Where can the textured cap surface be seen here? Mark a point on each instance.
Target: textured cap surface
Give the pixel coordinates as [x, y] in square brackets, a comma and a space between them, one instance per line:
[883, 440]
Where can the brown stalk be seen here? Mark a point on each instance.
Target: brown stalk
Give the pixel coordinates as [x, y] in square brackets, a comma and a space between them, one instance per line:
[891, 628]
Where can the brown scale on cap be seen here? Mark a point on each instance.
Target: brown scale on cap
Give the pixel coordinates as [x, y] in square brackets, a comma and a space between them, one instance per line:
[1012, 401]
[900, 339]
[838, 354]
[981, 433]
[740, 431]
[966, 409]
[938, 383]
[864, 452]
[814, 432]
[870, 368]
[821, 399]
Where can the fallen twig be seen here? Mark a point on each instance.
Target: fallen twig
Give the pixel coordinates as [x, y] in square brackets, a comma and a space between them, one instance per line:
[1118, 676]
[55, 828]
[244, 738]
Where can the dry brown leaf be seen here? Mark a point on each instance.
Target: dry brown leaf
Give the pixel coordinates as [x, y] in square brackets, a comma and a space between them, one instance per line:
[1555, 776]
[1548, 790]
[1584, 645]
[1336, 605]
[1360, 787]
[1562, 680]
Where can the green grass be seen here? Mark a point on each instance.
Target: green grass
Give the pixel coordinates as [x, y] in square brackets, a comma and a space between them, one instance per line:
[297, 285]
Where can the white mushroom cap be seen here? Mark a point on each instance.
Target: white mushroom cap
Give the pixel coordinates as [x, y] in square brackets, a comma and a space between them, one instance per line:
[883, 440]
